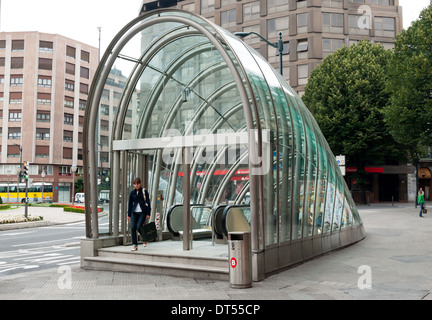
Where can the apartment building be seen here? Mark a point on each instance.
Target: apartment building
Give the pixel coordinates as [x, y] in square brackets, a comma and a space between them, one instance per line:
[311, 29]
[44, 83]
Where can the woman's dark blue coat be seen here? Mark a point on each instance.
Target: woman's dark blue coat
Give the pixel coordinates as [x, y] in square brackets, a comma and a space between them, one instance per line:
[135, 198]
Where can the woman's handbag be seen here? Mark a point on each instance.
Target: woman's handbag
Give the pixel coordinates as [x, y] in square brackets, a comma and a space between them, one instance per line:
[424, 210]
[148, 232]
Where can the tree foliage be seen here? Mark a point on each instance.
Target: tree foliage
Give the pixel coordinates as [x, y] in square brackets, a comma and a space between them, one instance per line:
[409, 113]
[347, 94]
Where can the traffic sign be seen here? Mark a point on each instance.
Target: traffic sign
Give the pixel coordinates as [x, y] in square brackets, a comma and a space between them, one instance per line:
[340, 160]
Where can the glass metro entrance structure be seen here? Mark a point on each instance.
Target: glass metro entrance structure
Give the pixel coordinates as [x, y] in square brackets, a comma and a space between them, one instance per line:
[221, 142]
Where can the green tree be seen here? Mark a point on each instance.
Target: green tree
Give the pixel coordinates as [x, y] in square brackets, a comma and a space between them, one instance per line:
[409, 113]
[346, 94]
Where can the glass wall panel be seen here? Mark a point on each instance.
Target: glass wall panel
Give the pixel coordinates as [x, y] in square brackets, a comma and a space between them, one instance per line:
[330, 199]
[299, 175]
[339, 201]
[321, 191]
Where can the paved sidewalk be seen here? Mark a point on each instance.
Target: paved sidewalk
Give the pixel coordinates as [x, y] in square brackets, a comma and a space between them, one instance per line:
[395, 260]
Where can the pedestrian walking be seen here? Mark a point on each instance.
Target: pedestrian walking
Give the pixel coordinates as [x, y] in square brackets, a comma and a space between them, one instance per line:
[138, 210]
[421, 201]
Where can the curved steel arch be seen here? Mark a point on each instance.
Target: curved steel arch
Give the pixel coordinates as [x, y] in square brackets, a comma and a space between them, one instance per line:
[97, 87]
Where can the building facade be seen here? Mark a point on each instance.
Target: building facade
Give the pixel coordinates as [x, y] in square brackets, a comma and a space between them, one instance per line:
[44, 84]
[311, 29]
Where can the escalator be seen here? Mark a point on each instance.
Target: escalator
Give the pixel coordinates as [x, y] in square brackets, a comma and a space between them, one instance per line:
[208, 222]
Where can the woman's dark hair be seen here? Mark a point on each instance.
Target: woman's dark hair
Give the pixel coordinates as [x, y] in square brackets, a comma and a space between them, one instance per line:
[137, 181]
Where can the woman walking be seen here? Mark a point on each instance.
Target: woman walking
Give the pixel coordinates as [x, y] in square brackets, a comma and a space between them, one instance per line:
[138, 210]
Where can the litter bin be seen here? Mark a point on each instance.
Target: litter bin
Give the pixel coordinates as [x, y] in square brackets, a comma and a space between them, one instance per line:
[240, 259]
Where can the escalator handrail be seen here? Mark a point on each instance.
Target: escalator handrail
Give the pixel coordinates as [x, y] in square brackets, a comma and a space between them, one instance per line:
[225, 213]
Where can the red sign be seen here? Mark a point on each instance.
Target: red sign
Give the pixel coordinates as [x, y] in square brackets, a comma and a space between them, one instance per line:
[233, 263]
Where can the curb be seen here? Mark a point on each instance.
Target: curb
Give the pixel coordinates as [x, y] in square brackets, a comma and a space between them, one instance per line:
[33, 224]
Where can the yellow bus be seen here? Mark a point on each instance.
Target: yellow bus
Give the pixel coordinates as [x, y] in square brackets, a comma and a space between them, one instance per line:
[34, 192]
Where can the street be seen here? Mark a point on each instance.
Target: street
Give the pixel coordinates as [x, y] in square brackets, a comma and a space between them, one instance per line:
[40, 248]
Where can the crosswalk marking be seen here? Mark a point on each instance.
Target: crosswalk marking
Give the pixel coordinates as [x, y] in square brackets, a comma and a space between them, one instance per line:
[35, 258]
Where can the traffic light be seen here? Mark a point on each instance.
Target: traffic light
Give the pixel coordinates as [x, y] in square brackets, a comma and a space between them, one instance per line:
[26, 170]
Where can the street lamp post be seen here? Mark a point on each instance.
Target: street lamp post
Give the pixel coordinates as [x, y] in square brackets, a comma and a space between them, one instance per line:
[8, 174]
[73, 169]
[278, 45]
[20, 170]
[43, 174]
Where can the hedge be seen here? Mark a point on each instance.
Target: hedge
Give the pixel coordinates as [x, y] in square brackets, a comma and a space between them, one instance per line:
[5, 219]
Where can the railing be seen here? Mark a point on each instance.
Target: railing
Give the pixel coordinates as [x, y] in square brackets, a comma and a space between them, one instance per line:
[201, 222]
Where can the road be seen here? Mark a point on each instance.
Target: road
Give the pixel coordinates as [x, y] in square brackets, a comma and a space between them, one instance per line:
[40, 248]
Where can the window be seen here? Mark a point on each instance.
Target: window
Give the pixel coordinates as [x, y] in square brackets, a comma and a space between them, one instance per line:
[275, 6]
[65, 170]
[228, 18]
[331, 45]
[15, 97]
[383, 2]
[45, 46]
[42, 134]
[44, 98]
[302, 74]
[359, 24]
[207, 6]
[16, 80]
[70, 52]
[85, 73]
[84, 88]
[17, 62]
[384, 26]
[104, 125]
[302, 23]
[333, 3]
[44, 81]
[17, 45]
[70, 68]
[67, 153]
[82, 104]
[85, 56]
[68, 118]
[333, 22]
[13, 151]
[67, 136]
[104, 141]
[42, 152]
[251, 11]
[69, 102]
[69, 85]
[104, 109]
[43, 116]
[302, 49]
[274, 26]
[15, 115]
[45, 64]
[14, 134]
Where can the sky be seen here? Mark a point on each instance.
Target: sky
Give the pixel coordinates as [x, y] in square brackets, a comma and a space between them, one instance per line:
[80, 19]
